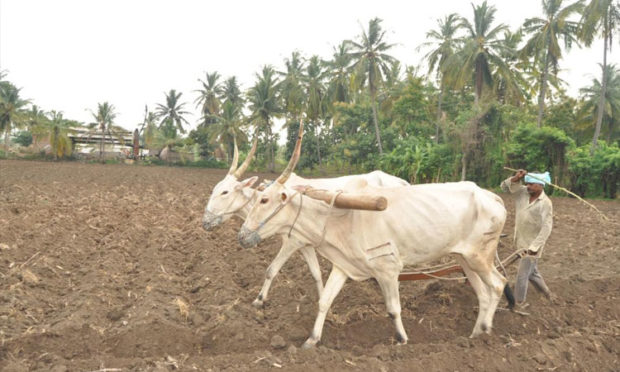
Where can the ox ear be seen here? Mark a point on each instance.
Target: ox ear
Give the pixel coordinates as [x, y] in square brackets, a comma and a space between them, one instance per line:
[248, 182]
[285, 197]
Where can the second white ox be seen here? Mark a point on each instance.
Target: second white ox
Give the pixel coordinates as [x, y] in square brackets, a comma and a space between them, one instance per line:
[231, 197]
[421, 223]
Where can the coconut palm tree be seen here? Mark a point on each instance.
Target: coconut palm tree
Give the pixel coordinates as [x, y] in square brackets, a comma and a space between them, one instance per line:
[544, 43]
[611, 110]
[209, 98]
[37, 123]
[290, 87]
[227, 127]
[443, 45]
[339, 75]
[231, 92]
[315, 92]
[392, 89]
[59, 131]
[480, 56]
[104, 119]
[600, 17]
[515, 91]
[480, 53]
[147, 128]
[265, 105]
[11, 110]
[171, 115]
[370, 62]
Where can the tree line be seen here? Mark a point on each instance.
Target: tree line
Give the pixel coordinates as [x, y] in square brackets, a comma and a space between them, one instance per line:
[488, 96]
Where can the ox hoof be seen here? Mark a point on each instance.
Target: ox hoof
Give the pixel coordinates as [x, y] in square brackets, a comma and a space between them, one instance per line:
[258, 304]
[309, 344]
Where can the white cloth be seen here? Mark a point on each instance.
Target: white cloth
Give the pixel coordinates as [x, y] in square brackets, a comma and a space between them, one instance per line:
[539, 178]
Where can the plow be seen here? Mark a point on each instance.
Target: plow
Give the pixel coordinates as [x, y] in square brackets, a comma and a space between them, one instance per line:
[442, 271]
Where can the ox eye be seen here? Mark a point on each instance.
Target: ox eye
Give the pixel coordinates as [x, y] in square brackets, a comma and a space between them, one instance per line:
[224, 192]
[264, 200]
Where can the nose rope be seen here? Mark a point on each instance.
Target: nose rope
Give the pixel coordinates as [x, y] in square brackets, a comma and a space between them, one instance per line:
[234, 211]
[275, 211]
[301, 199]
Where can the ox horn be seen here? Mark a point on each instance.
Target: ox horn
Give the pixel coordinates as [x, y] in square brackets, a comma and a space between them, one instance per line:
[235, 160]
[248, 159]
[295, 157]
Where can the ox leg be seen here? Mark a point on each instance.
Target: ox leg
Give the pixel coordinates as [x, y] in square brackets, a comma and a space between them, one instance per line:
[309, 255]
[334, 284]
[287, 249]
[494, 284]
[482, 294]
[389, 287]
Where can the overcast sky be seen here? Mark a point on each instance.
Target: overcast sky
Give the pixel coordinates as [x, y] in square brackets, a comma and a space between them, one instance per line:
[69, 55]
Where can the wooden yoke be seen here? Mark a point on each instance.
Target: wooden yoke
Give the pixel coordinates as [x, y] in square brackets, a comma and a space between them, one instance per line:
[346, 200]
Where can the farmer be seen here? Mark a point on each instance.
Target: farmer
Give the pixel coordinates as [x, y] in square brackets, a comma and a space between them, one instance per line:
[533, 223]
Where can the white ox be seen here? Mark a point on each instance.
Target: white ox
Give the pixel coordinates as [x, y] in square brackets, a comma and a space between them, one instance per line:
[421, 223]
[231, 197]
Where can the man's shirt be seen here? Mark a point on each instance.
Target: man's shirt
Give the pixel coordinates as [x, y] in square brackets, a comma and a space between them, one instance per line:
[533, 221]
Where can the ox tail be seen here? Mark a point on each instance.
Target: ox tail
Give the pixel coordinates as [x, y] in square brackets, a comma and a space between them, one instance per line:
[509, 296]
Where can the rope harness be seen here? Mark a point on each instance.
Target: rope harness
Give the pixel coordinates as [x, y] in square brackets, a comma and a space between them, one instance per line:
[301, 202]
[331, 206]
[233, 211]
[275, 211]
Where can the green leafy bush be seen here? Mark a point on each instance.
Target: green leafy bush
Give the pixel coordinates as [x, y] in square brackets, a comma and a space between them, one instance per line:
[539, 149]
[597, 174]
[23, 138]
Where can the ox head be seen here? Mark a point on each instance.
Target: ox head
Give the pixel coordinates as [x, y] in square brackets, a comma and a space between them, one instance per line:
[230, 195]
[272, 212]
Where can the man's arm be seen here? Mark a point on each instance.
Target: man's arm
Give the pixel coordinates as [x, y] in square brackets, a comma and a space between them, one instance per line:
[545, 230]
[513, 184]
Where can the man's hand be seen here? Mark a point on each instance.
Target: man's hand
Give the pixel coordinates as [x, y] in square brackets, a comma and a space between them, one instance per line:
[518, 176]
[531, 252]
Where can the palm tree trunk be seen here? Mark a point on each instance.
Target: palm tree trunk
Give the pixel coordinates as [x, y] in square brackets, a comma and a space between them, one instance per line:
[102, 146]
[543, 89]
[464, 164]
[601, 101]
[6, 139]
[55, 142]
[318, 144]
[374, 117]
[439, 102]
[271, 162]
[478, 92]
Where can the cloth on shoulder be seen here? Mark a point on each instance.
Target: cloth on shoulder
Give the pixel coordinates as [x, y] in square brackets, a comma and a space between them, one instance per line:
[539, 178]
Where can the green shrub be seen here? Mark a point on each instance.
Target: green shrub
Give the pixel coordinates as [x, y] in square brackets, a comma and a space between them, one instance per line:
[597, 174]
[539, 149]
[23, 138]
